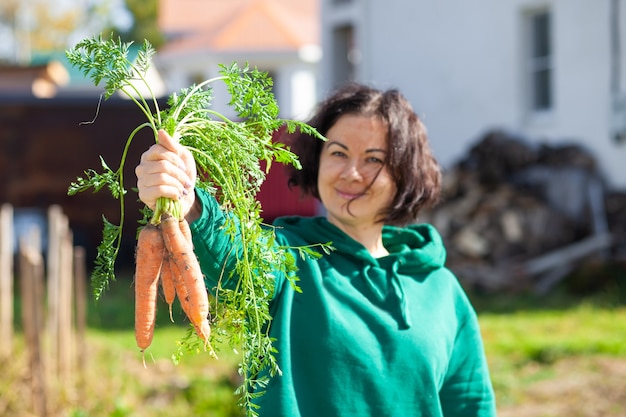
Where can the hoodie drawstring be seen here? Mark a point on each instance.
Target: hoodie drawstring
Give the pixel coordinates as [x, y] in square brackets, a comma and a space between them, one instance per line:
[387, 287]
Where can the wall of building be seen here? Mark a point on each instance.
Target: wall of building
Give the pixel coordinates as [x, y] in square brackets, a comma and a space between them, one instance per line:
[294, 77]
[462, 65]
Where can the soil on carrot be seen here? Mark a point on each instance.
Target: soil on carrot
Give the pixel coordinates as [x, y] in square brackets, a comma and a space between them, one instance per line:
[586, 386]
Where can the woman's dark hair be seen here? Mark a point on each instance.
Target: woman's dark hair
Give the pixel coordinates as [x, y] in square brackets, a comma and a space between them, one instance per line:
[409, 159]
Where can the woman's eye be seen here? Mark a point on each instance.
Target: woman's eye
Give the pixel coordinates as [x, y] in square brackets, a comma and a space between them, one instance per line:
[375, 160]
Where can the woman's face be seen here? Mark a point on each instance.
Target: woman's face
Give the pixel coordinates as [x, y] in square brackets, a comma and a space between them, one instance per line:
[353, 181]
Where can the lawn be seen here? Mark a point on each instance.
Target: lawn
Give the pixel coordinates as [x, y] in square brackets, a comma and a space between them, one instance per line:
[558, 355]
[552, 363]
[550, 356]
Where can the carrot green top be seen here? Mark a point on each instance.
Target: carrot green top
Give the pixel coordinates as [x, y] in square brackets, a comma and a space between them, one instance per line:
[393, 336]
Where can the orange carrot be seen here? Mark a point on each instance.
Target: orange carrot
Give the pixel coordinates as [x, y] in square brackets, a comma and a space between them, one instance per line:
[180, 287]
[186, 231]
[183, 257]
[148, 261]
[167, 282]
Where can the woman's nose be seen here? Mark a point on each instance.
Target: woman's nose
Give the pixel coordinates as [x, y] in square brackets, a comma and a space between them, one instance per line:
[351, 171]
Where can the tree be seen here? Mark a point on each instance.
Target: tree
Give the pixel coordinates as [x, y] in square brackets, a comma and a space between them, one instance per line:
[35, 26]
[58, 27]
[145, 25]
[43, 26]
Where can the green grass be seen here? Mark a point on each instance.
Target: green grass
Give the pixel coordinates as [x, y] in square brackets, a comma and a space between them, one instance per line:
[198, 385]
[546, 336]
[114, 381]
[195, 384]
[522, 347]
[526, 338]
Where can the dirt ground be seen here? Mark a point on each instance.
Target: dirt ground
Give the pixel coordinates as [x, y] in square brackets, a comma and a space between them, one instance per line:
[574, 387]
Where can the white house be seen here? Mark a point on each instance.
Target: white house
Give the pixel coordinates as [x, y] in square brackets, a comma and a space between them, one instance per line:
[277, 36]
[549, 70]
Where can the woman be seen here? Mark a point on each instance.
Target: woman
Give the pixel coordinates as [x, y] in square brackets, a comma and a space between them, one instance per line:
[381, 327]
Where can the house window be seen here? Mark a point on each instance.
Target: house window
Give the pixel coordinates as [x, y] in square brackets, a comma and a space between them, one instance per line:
[196, 78]
[540, 61]
[345, 55]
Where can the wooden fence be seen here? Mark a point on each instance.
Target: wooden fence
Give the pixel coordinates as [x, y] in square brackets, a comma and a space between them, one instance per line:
[52, 291]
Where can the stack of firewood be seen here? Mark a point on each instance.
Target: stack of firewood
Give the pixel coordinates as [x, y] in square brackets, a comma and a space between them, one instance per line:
[515, 214]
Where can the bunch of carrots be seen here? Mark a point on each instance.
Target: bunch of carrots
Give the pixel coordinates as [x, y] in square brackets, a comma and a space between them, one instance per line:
[228, 153]
[165, 253]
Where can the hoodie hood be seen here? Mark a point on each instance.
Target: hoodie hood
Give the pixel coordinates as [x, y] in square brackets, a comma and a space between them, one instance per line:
[414, 251]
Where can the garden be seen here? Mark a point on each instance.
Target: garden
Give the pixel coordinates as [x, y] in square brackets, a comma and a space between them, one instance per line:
[563, 354]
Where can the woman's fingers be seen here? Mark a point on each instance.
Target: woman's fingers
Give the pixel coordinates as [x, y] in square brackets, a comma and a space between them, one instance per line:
[177, 155]
[165, 140]
[153, 185]
[166, 170]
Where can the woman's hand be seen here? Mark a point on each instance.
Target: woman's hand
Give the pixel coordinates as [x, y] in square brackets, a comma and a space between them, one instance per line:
[168, 170]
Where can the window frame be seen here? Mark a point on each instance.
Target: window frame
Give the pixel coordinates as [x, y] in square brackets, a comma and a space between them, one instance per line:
[539, 62]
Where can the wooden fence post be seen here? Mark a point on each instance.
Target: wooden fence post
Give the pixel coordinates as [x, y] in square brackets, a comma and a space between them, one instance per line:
[6, 280]
[80, 280]
[65, 342]
[54, 260]
[31, 275]
[53, 317]
[60, 297]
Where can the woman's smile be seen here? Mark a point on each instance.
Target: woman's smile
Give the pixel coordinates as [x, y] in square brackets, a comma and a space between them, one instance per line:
[349, 195]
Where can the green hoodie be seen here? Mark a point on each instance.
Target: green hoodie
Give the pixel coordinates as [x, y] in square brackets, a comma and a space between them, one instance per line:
[394, 336]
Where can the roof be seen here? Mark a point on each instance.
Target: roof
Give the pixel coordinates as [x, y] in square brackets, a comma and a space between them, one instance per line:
[40, 81]
[224, 25]
[50, 74]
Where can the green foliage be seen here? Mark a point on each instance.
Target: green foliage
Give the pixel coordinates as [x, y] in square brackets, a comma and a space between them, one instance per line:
[227, 154]
[145, 22]
[104, 264]
[97, 180]
[107, 60]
